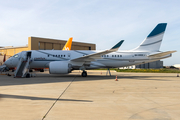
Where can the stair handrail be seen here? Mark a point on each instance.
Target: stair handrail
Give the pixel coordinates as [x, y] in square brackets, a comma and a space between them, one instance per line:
[26, 68]
[18, 66]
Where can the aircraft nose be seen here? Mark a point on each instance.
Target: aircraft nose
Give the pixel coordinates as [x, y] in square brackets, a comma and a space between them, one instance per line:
[7, 62]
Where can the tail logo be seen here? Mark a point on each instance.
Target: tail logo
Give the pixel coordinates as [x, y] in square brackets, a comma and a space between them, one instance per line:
[66, 48]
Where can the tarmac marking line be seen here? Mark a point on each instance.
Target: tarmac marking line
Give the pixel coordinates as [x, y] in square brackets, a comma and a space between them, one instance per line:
[58, 99]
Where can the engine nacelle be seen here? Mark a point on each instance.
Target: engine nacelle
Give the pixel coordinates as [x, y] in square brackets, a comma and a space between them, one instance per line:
[60, 67]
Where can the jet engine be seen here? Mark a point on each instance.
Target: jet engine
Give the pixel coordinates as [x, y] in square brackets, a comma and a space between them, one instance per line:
[60, 67]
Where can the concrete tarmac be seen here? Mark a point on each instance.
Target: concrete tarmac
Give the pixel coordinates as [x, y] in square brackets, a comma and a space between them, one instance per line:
[135, 96]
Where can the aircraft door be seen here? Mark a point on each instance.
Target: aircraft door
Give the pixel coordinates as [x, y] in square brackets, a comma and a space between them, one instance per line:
[25, 55]
[28, 55]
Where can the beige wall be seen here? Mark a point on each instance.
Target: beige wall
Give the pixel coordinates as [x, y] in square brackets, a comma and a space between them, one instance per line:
[35, 43]
[12, 51]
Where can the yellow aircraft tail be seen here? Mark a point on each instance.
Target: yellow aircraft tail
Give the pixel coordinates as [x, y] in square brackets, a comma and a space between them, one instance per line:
[68, 44]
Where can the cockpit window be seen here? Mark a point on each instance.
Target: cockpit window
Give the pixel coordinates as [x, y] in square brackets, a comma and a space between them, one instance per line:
[16, 55]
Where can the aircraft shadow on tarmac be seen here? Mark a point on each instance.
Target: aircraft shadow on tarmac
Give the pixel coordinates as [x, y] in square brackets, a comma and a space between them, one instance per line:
[38, 98]
[7, 81]
[168, 78]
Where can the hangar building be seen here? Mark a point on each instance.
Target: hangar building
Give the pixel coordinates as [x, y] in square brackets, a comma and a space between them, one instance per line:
[37, 43]
[152, 65]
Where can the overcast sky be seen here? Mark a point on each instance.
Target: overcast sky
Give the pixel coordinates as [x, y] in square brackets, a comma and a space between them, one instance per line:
[103, 22]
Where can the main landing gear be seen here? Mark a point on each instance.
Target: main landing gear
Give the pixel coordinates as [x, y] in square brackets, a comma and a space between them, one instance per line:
[108, 71]
[84, 74]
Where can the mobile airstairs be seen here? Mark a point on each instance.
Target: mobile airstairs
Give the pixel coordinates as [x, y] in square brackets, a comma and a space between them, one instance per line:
[23, 66]
[2, 68]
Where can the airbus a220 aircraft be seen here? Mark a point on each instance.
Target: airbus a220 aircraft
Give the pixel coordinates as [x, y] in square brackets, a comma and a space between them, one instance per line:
[63, 62]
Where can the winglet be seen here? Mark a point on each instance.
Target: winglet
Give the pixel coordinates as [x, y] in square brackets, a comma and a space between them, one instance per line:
[118, 45]
[92, 57]
[68, 44]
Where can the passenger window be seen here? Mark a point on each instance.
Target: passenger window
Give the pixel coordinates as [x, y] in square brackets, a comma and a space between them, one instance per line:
[107, 55]
[117, 55]
[112, 55]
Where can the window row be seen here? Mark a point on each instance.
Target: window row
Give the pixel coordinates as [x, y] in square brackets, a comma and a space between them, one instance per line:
[112, 55]
[139, 55]
[57, 55]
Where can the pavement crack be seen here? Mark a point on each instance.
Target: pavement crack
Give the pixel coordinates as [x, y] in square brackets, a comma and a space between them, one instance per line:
[58, 98]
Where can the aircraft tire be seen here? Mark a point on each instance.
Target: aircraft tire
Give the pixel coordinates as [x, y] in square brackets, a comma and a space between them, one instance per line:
[84, 74]
[28, 75]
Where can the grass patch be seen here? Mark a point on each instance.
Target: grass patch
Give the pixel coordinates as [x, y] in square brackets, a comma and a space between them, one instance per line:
[164, 70]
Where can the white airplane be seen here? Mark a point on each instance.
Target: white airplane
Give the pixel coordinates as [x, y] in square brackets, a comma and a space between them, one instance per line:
[63, 62]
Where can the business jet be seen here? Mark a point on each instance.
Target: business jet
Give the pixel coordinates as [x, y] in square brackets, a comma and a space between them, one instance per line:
[63, 62]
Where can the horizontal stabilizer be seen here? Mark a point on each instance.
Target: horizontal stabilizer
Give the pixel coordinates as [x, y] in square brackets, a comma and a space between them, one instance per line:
[162, 54]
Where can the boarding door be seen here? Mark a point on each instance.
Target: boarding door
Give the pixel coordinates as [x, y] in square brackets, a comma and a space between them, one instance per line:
[28, 55]
[25, 55]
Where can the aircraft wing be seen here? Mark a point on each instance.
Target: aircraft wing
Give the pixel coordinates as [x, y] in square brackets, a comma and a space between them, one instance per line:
[98, 55]
[161, 54]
